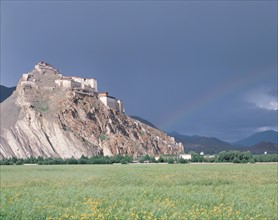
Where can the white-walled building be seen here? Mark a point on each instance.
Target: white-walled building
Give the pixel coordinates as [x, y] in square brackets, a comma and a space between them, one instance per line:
[75, 82]
[111, 102]
[86, 82]
[186, 156]
[25, 77]
[120, 106]
[67, 83]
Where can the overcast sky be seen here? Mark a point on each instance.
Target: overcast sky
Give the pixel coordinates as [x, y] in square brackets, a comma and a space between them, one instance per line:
[196, 67]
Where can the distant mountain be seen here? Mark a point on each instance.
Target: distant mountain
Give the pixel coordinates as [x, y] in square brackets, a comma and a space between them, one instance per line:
[262, 147]
[209, 145]
[5, 92]
[265, 136]
[143, 121]
[256, 144]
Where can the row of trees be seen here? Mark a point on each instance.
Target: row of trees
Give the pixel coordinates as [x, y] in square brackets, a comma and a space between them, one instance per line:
[81, 160]
[235, 157]
[224, 156]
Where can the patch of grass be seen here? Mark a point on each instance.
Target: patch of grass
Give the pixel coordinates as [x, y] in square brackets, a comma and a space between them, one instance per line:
[102, 137]
[41, 107]
[142, 191]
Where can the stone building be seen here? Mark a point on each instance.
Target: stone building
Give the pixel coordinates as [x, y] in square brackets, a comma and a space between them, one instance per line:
[45, 66]
[111, 102]
[92, 83]
[70, 82]
[67, 83]
[77, 82]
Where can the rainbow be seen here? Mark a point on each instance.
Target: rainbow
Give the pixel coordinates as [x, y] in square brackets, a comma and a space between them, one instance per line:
[211, 96]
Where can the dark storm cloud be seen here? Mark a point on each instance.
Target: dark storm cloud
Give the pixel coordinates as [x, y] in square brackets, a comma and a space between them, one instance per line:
[162, 58]
[273, 92]
[231, 122]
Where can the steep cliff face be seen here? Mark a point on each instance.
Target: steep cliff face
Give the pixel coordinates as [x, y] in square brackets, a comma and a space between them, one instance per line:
[44, 119]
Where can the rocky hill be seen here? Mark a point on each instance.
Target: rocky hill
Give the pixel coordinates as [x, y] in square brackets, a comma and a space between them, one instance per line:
[42, 118]
[144, 121]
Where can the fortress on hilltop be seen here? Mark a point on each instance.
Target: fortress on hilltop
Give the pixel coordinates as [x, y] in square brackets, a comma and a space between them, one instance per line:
[54, 116]
[72, 82]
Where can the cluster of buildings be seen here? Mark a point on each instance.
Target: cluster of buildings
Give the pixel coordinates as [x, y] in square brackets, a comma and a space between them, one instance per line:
[77, 82]
[72, 82]
[91, 84]
[45, 66]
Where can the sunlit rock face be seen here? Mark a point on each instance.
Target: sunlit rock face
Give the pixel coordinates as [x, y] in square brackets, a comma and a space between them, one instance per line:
[45, 118]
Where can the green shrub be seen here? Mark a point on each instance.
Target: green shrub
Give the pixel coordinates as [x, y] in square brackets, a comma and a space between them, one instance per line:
[161, 160]
[182, 160]
[102, 137]
[123, 161]
[19, 162]
[231, 156]
[144, 158]
[171, 160]
[266, 158]
[195, 158]
[71, 161]
[236, 160]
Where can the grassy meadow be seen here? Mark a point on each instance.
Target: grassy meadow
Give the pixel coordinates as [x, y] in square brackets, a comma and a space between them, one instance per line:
[140, 191]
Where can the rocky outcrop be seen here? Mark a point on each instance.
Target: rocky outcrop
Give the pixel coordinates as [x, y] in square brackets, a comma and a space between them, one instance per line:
[44, 119]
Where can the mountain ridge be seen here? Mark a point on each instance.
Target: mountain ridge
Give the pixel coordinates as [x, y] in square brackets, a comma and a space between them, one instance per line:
[262, 147]
[209, 145]
[212, 145]
[269, 136]
[6, 92]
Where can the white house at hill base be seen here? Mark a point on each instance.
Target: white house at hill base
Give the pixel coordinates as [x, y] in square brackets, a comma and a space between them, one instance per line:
[185, 156]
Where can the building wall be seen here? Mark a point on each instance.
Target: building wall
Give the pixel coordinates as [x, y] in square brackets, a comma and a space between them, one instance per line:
[59, 82]
[120, 106]
[29, 84]
[186, 156]
[111, 102]
[103, 99]
[67, 83]
[25, 77]
[75, 84]
[86, 82]
[91, 83]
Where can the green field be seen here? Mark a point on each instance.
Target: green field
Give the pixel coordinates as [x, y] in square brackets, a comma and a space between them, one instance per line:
[140, 191]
